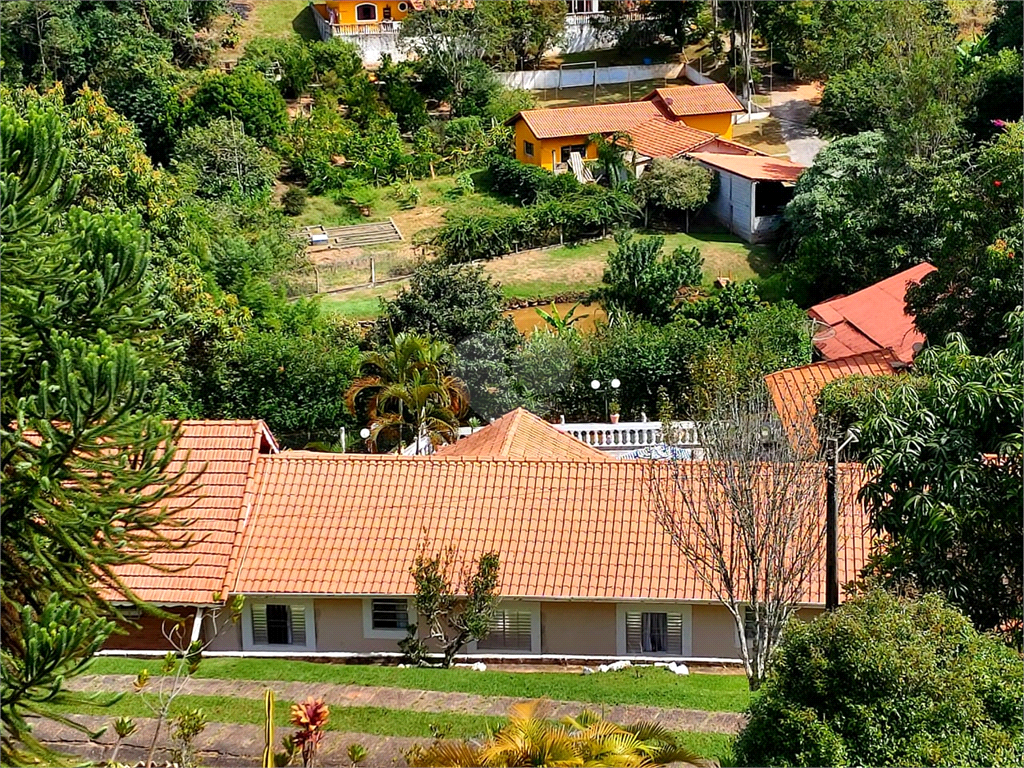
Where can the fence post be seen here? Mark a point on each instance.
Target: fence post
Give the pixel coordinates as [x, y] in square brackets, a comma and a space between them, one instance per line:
[316, 272]
[373, 271]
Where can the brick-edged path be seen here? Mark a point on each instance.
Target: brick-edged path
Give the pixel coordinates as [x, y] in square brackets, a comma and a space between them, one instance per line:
[427, 701]
[222, 745]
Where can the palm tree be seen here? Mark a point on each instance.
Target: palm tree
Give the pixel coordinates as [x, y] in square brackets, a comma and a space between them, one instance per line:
[586, 740]
[408, 392]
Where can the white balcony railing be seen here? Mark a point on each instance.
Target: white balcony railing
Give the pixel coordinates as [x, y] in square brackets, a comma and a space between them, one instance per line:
[629, 436]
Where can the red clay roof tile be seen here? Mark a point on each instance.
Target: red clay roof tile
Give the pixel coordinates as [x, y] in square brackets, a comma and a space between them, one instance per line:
[563, 529]
[795, 390]
[687, 100]
[521, 435]
[870, 319]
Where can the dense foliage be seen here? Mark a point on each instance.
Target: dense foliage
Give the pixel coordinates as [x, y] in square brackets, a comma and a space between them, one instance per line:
[887, 681]
[947, 452]
[85, 451]
[674, 186]
[592, 211]
[643, 281]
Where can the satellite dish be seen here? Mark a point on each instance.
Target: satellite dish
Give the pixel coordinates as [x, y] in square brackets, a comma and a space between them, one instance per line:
[821, 331]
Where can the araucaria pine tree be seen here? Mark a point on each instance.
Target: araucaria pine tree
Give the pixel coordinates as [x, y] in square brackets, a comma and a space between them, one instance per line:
[85, 453]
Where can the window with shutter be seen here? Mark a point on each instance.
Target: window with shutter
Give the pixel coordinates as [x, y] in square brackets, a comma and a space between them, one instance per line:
[510, 630]
[654, 632]
[259, 624]
[297, 613]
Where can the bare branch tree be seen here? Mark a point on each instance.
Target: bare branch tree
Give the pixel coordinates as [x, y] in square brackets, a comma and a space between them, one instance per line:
[749, 519]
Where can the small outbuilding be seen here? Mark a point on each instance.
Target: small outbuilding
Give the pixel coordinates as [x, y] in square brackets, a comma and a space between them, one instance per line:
[752, 192]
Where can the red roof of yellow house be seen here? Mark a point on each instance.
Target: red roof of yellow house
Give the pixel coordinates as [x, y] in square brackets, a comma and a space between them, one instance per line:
[661, 137]
[583, 121]
[871, 319]
[521, 435]
[795, 390]
[223, 454]
[687, 100]
[754, 167]
[329, 524]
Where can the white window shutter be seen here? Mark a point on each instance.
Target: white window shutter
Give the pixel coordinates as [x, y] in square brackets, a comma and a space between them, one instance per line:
[634, 632]
[297, 614]
[674, 644]
[259, 624]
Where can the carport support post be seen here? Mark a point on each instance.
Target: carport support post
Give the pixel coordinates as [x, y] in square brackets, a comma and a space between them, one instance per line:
[831, 525]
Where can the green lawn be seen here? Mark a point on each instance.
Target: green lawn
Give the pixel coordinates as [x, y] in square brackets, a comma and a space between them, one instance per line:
[369, 720]
[575, 268]
[231, 709]
[648, 686]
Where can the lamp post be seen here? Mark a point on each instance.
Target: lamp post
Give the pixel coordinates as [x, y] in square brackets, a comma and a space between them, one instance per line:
[365, 434]
[612, 386]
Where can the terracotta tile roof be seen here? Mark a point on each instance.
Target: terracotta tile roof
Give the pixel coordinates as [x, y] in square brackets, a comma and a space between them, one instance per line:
[662, 137]
[755, 167]
[215, 505]
[795, 390]
[686, 100]
[521, 435]
[871, 319]
[330, 524]
[583, 121]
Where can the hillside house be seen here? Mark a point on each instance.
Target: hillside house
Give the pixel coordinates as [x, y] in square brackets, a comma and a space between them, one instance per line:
[665, 123]
[320, 544]
[373, 25]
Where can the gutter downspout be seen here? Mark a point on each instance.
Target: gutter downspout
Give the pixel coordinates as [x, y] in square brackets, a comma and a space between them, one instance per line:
[197, 625]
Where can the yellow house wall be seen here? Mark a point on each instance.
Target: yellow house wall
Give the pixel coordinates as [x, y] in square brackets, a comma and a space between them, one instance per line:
[720, 123]
[542, 148]
[347, 10]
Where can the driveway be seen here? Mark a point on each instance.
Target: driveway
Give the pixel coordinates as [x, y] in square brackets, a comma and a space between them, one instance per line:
[793, 106]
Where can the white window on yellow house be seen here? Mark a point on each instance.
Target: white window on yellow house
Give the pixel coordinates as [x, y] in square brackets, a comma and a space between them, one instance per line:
[366, 12]
[528, 148]
[569, 149]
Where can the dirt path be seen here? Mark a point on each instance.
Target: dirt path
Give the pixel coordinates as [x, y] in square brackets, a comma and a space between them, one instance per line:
[221, 745]
[694, 720]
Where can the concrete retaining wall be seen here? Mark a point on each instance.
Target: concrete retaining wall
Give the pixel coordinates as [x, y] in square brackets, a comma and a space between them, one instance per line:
[580, 77]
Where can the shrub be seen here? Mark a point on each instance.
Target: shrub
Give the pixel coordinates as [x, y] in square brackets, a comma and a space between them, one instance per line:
[593, 211]
[294, 201]
[527, 183]
[844, 402]
[246, 95]
[887, 681]
[220, 160]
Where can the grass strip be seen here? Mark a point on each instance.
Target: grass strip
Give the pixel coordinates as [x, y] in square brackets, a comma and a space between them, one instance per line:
[648, 686]
[369, 720]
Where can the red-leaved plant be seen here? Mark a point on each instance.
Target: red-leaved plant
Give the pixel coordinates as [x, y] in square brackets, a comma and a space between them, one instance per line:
[310, 717]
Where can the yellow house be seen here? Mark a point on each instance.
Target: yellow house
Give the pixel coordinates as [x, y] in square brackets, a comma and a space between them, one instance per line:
[368, 11]
[705, 107]
[668, 121]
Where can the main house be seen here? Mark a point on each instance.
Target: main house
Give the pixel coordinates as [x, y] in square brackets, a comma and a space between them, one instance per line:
[665, 123]
[320, 544]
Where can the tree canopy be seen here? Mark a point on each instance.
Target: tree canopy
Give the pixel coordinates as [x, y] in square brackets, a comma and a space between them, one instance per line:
[887, 681]
[946, 455]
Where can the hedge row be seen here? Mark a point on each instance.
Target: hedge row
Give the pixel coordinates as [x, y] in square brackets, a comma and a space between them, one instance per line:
[528, 183]
[592, 211]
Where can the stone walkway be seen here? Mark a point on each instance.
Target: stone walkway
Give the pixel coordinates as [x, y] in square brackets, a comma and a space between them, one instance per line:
[222, 745]
[428, 701]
